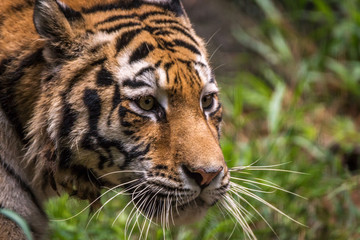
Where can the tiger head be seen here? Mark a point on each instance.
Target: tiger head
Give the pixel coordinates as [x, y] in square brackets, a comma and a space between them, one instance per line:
[128, 100]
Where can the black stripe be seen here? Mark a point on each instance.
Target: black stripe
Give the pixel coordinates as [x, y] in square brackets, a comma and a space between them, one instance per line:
[119, 26]
[98, 62]
[92, 101]
[167, 66]
[152, 13]
[197, 76]
[161, 32]
[186, 45]
[125, 39]
[216, 110]
[21, 6]
[81, 72]
[24, 186]
[168, 21]
[135, 84]
[115, 18]
[115, 102]
[104, 78]
[70, 13]
[158, 63]
[128, 132]
[141, 52]
[185, 33]
[123, 111]
[65, 157]
[117, 97]
[4, 64]
[160, 167]
[144, 70]
[8, 83]
[134, 15]
[69, 117]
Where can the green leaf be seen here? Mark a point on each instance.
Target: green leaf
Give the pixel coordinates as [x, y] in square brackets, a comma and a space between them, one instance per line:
[274, 110]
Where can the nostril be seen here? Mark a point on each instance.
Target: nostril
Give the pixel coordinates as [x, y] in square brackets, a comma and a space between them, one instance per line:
[203, 177]
[193, 175]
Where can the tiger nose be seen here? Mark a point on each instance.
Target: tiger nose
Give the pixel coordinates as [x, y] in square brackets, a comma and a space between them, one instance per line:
[202, 176]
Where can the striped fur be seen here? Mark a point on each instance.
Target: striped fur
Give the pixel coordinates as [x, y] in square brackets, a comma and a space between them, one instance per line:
[70, 86]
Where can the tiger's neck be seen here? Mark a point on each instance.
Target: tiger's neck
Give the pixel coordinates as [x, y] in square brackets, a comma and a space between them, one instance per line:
[21, 70]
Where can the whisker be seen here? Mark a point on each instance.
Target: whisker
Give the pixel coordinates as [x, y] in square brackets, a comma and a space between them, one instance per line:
[84, 209]
[136, 212]
[116, 195]
[249, 204]
[123, 171]
[254, 196]
[267, 185]
[216, 68]
[264, 168]
[128, 220]
[212, 36]
[231, 206]
[212, 55]
[126, 206]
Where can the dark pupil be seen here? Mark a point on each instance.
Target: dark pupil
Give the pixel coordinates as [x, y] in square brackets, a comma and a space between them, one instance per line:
[206, 99]
[148, 101]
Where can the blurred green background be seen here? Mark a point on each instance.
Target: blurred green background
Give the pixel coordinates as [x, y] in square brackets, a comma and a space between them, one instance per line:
[289, 72]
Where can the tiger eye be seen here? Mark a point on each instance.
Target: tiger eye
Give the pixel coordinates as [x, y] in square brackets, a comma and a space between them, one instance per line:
[146, 103]
[207, 101]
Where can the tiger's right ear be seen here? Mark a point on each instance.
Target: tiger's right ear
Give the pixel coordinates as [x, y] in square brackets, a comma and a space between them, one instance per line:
[55, 22]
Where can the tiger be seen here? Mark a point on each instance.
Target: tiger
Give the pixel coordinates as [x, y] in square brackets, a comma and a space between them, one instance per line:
[106, 94]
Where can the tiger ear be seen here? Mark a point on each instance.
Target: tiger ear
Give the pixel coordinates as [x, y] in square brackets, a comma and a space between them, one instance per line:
[172, 5]
[55, 22]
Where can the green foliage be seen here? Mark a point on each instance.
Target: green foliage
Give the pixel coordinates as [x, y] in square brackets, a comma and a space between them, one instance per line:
[300, 96]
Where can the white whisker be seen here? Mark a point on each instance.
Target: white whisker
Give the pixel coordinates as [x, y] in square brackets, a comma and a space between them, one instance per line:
[212, 55]
[254, 196]
[264, 168]
[249, 204]
[98, 198]
[233, 208]
[116, 195]
[268, 185]
[123, 171]
[212, 36]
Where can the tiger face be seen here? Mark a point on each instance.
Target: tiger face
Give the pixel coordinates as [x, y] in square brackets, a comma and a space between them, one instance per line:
[129, 101]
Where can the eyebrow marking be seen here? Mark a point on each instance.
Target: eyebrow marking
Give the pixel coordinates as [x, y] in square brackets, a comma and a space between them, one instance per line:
[135, 84]
[144, 70]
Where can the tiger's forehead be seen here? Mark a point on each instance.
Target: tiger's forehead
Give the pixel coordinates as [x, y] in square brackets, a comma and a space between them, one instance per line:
[151, 49]
[154, 75]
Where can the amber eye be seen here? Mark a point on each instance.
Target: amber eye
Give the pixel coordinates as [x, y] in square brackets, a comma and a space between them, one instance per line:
[146, 103]
[207, 101]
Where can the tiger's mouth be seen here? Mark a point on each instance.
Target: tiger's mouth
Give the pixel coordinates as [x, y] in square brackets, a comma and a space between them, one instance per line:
[172, 207]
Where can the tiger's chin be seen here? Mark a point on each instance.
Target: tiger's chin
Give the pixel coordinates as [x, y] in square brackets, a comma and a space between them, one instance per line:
[178, 214]
[191, 212]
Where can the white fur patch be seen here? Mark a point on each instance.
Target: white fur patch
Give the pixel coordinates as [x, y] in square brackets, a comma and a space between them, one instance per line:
[162, 77]
[204, 72]
[101, 37]
[210, 88]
